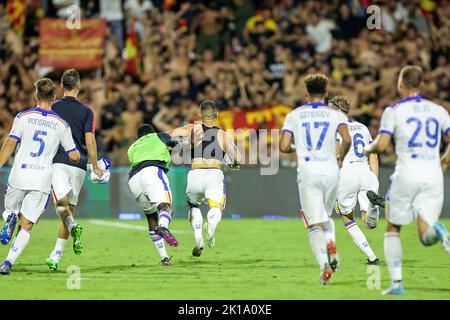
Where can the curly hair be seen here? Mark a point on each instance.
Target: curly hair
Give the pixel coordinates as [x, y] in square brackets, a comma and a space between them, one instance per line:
[316, 84]
[340, 102]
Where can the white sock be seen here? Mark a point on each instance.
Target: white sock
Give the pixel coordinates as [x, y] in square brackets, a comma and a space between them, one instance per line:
[329, 229]
[164, 218]
[318, 245]
[214, 217]
[393, 255]
[360, 240]
[158, 241]
[58, 250]
[196, 220]
[19, 244]
[429, 237]
[70, 223]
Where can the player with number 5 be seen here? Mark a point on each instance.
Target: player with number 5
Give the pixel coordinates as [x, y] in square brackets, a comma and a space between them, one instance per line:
[39, 132]
[416, 191]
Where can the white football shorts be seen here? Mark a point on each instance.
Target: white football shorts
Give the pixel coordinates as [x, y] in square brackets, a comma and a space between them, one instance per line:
[317, 196]
[206, 186]
[31, 204]
[407, 198]
[67, 181]
[150, 187]
[353, 186]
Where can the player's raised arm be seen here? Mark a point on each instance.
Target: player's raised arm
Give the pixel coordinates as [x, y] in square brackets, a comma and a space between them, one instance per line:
[182, 131]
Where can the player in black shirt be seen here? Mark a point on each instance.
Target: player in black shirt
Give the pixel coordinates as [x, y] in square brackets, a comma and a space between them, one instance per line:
[68, 178]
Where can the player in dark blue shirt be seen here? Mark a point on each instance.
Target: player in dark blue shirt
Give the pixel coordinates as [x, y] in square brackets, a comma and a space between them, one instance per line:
[68, 178]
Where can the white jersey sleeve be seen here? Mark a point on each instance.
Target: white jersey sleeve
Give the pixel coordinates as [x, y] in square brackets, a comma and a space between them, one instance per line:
[67, 141]
[289, 125]
[387, 124]
[17, 129]
[446, 123]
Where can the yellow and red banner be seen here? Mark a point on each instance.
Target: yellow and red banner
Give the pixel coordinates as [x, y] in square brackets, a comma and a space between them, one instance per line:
[269, 117]
[62, 47]
[133, 52]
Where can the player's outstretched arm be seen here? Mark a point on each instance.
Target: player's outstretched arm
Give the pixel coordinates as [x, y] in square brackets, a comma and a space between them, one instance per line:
[346, 141]
[231, 150]
[182, 131]
[7, 150]
[373, 162]
[380, 144]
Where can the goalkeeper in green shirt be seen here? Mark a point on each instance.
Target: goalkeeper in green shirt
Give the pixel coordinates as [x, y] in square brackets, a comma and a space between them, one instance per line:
[150, 159]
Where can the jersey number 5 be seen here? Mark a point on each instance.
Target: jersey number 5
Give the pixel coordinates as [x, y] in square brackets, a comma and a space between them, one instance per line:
[37, 138]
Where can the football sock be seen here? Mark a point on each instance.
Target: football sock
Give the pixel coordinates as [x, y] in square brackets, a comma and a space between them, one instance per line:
[393, 255]
[58, 250]
[196, 219]
[429, 237]
[318, 245]
[70, 223]
[159, 244]
[360, 240]
[19, 244]
[164, 218]
[214, 217]
[329, 230]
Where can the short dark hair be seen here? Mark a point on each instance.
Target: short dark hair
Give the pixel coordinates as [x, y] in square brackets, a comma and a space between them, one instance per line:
[208, 109]
[45, 89]
[70, 79]
[316, 84]
[411, 77]
[144, 130]
[341, 102]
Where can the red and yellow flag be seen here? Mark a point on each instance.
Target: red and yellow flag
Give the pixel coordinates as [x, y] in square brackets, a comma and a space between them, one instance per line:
[15, 13]
[133, 52]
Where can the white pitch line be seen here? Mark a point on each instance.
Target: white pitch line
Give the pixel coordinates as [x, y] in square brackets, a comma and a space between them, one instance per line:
[128, 226]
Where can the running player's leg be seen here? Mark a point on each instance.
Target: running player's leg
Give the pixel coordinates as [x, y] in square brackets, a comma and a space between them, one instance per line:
[164, 211]
[215, 194]
[313, 214]
[370, 213]
[399, 212]
[330, 186]
[32, 207]
[157, 240]
[13, 203]
[195, 193]
[429, 205]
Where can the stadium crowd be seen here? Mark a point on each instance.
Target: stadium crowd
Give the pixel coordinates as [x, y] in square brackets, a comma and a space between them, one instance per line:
[243, 54]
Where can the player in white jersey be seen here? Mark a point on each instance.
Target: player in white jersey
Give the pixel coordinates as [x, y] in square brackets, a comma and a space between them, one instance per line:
[417, 185]
[313, 128]
[39, 132]
[359, 174]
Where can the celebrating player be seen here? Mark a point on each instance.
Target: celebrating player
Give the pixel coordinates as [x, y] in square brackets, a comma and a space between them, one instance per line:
[313, 127]
[39, 131]
[358, 175]
[205, 181]
[417, 185]
[68, 177]
[150, 159]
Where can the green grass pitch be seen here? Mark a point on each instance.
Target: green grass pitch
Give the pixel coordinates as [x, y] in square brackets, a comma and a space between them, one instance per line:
[253, 259]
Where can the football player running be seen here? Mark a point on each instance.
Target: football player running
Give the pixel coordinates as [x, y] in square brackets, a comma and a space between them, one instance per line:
[67, 177]
[416, 191]
[313, 128]
[358, 175]
[210, 146]
[150, 159]
[39, 132]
